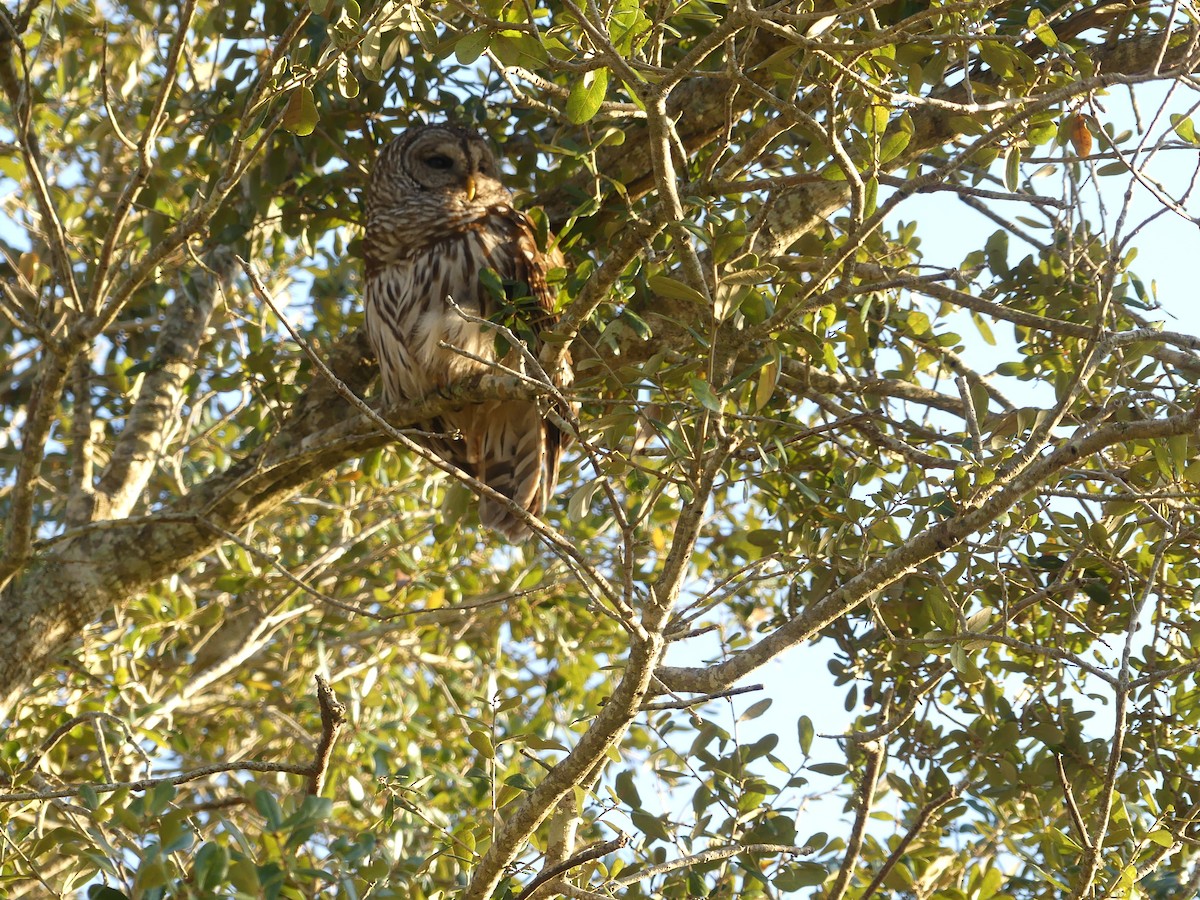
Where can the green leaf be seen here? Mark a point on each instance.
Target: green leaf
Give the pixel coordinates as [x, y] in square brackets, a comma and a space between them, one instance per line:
[800, 875]
[514, 48]
[755, 710]
[580, 501]
[160, 798]
[673, 289]
[756, 275]
[1043, 133]
[301, 117]
[1178, 453]
[1037, 24]
[370, 54]
[653, 827]
[636, 323]
[626, 23]
[482, 742]
[471, 45]
[520, 782]
[897, 139]
[265, 803]
[1012, 168]
[311, 811]
[90, 798]
[704, 393]
[829, 356]
[985, 332]
[1184, 127]
[492, 283]
[768, 379]
[1129, 877]
[626, 790]
[210, 865]
[829, 768]
[806, 733]
[539, 743]
[586, 96]
[1162, 837]
[870, 196]
[964, 664]
[347, 84]
[174, 832]
[243, 875]
[876, 117]
[764, 745]
[996, 252]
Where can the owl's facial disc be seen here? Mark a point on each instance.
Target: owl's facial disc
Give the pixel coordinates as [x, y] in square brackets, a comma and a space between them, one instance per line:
[458, 166]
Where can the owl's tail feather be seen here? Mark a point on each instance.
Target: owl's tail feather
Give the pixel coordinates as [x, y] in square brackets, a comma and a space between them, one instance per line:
[517, 456]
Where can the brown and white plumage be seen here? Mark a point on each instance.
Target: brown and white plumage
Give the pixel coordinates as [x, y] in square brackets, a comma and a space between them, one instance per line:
[437, 216]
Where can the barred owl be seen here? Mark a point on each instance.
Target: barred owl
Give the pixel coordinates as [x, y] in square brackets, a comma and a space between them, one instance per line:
[437, 216]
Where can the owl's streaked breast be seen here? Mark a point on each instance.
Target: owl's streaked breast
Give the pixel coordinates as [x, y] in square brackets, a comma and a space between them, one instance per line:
[407, 316]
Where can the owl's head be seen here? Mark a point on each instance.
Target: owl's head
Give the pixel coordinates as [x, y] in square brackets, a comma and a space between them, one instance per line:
[438, 166]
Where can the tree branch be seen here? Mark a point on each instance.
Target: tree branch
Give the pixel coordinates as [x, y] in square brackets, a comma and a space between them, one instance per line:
[150, 424]
[69, 582]
[876, 752]
[41, 415]
[916, 550]
[623, 705]
[587, 854]
[333, 719]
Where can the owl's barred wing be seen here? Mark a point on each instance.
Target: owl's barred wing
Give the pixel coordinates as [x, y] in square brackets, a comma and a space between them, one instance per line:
[520, 450]
[518, 259]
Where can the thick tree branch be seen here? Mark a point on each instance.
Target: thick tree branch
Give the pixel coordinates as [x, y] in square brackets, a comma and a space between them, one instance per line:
[798, 211]
[587, 854]
[151, 424]
[876, 753]
[43, 406]
[71, 580]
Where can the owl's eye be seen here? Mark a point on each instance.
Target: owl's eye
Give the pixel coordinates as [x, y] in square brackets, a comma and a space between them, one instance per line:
[439, 161]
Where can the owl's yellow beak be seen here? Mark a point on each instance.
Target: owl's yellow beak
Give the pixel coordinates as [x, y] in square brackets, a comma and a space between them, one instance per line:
[470, 188]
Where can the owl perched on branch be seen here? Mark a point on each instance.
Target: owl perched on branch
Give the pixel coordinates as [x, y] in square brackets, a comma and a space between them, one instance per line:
[437, 219]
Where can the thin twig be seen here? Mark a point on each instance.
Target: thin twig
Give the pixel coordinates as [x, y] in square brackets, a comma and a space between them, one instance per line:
[1072, 807]
[713, 854]
[699, 701]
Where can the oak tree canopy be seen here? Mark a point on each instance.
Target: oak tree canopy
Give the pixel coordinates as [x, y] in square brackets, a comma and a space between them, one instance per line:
[809, 428]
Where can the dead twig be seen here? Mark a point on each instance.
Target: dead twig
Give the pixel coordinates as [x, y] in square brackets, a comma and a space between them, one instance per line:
[333, 719]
